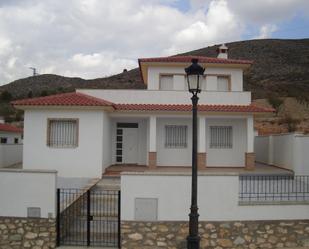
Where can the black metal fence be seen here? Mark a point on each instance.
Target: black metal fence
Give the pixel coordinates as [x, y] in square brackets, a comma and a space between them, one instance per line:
[258, 188]
[88, 218]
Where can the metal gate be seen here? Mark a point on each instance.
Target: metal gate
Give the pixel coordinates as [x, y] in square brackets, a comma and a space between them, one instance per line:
[88, 218]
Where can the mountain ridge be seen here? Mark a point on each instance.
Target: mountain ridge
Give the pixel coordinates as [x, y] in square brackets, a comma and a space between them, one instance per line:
[281, 67]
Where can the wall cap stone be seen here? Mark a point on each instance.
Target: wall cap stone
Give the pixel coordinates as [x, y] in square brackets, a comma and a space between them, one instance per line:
[181, 173]
[28, 171]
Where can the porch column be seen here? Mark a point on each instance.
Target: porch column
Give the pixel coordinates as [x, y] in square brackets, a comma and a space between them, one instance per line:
[250, 155]
[152, 154]
[201, 148]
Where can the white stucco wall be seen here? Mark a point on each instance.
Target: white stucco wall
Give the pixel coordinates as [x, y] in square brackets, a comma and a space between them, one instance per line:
[283, 150]
[10, 154]
[171, 156]
[301, 158]
[154, 77]
[83, 161]
[168, 97]
[142, 137]
[107, 138]
[261, 148]
[232, 157]
[20, 189]
[217, 199]
[288, 151]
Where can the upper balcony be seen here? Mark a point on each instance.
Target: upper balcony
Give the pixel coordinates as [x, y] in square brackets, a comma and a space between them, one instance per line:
[169, 97]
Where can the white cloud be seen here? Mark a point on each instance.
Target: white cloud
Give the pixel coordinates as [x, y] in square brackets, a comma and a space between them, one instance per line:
[217, 25]
[266, 31]
[94, 38]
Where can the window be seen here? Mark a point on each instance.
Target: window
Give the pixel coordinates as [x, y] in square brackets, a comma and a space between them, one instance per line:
[166, 82]
[176, 136]
[221, 137]
[16, 140]
[223, 83]
[3, 140]
[62, 133]
[203, 83]
[119, 136]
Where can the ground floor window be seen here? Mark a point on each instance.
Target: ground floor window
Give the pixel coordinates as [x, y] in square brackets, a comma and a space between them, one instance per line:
[62, 133]
[221, 137]
[176, 136]
[15, 140]
[3, 140]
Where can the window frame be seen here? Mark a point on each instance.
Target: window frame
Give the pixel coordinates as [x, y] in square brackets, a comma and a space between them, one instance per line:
[216, 146]
[185, 146]
[48, 143]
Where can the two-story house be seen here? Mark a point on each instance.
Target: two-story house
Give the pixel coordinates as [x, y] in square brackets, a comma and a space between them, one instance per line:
[83, 133]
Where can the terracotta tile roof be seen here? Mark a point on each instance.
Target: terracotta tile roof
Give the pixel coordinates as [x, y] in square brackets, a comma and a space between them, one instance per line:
[80, 99]
[187, 59]
[64, 99]
[204, 108]
[10, 128]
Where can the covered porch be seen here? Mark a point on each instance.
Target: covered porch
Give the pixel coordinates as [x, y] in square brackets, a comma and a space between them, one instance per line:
[260, 169]
[164, 141]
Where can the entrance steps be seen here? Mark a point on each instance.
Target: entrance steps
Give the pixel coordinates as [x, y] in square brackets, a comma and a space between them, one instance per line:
[108, 183]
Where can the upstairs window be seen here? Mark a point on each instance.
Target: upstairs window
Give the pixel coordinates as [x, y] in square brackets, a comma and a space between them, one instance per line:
[16, 140]
[3, 140]
[221, 137]
[176, 136]
[62, 133]
[166, 82]
[223, 83]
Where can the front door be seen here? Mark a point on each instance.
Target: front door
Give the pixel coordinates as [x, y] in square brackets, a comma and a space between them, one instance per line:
[130, 145]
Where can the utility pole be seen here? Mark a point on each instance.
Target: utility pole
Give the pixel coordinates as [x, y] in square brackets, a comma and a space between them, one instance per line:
[34, 71]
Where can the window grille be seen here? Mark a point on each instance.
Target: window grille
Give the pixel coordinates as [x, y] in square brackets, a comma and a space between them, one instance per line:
[176, 136]
[221, 137]
[63, 133]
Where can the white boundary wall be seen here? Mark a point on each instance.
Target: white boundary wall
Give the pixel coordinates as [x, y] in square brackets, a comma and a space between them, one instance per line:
[288, 151]
[20, 189]
[217, 198]
[10, 154]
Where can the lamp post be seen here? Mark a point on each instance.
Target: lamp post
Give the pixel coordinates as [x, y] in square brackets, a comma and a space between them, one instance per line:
[194, 73]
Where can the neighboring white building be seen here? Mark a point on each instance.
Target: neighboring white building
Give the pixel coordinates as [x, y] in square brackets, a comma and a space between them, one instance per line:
[83, 133]
[10, 144]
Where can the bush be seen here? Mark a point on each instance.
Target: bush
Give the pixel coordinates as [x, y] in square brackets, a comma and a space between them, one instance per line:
[275, 102]
[6, 96]
[290, 122]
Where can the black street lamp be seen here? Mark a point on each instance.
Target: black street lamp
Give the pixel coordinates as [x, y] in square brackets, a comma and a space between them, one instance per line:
[194, 75]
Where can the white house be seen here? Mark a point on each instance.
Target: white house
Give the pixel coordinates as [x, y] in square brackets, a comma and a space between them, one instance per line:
[10, 144]
[82, 133]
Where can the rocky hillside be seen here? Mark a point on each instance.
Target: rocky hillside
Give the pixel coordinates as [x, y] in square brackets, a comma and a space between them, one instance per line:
[47, 84]
[280, 67]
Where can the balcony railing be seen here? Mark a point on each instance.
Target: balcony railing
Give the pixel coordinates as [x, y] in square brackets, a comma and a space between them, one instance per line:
[271, 189]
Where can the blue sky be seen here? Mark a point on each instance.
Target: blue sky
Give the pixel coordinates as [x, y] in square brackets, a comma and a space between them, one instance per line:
[95, 38]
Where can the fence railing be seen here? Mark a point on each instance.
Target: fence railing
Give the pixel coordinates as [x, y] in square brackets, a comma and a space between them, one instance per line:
[270, 189]
[88, 218]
